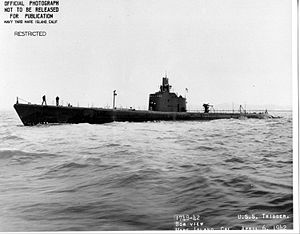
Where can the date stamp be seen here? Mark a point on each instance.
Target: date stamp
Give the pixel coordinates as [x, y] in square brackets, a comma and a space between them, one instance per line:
[263, 217]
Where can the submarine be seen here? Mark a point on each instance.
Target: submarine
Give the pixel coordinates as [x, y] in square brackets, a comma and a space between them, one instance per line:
[164, 105]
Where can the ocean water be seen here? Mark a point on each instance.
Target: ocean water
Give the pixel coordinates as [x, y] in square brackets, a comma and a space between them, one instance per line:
[146, 176]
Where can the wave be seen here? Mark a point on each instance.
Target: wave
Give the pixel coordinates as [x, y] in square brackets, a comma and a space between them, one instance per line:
[235, 160]
[11, 137]
[282, 199]
[67, 166]
[287, 207]
[6, 154]
[203, 147]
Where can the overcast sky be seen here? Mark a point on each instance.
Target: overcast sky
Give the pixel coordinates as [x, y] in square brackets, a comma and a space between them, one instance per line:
[233, 51]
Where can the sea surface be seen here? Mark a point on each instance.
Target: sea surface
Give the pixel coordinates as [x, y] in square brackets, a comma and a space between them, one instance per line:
[146, 176]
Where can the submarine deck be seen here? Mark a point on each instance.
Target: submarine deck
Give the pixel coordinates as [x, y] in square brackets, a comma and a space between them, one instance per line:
[32, 114]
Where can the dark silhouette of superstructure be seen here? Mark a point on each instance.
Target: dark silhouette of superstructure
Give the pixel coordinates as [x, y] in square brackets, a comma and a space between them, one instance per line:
[164, 100]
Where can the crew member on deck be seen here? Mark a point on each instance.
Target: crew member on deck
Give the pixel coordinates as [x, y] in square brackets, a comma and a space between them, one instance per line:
[44, 100]
[57, 101]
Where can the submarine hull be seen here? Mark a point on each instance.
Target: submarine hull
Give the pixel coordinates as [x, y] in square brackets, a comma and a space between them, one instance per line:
[31, 114]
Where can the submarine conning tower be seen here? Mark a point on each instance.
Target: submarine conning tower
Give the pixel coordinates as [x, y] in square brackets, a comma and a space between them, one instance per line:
[164, 100]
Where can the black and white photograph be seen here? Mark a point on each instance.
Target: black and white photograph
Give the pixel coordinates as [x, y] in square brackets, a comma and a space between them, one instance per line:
[149, 115]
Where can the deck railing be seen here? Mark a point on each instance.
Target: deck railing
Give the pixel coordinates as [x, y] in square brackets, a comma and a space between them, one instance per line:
[229, 111]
